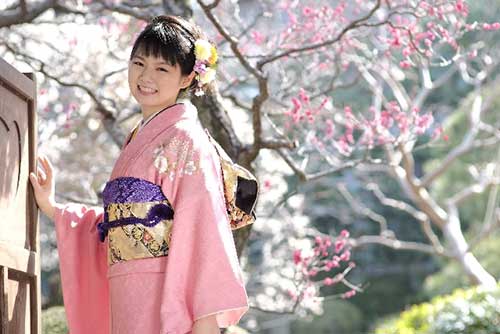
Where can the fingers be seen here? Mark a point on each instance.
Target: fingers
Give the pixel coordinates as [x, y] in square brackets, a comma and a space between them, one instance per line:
[48, 166]
[42, 177]
[34, 181]
[47, 170]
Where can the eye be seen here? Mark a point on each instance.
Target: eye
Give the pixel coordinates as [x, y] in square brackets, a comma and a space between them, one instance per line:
[137, 63]
[163, 69]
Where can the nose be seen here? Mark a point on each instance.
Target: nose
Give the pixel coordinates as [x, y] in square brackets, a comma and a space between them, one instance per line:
[146, 74]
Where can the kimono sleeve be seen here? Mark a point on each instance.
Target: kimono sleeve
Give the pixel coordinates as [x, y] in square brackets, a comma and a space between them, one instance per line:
[203, 276]
[83, 266]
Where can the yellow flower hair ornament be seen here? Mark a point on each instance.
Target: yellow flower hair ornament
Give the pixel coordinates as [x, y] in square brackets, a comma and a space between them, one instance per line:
[205, 64]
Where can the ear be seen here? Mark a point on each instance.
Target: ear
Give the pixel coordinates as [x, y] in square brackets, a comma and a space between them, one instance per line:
[187, 79]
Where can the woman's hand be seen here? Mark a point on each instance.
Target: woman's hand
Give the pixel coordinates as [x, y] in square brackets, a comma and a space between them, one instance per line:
[206, 325]
[44, 186]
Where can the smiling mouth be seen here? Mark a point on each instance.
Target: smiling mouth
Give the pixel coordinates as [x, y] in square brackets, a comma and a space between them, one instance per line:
[146, 90]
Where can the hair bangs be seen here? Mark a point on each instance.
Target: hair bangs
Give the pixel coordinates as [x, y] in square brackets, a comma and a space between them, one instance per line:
[162, 41]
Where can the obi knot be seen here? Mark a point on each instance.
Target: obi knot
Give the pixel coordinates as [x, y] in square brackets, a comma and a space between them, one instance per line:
[130, 214]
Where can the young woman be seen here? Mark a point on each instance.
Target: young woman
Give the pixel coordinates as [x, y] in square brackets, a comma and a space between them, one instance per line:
[159, 257]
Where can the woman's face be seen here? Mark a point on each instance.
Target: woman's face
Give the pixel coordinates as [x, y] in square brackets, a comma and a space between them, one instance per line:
[155, 83]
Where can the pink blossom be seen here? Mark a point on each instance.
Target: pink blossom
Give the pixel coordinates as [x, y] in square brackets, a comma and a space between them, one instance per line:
[344, 234]
[348, 133]
[437, 132]
[331, 264]
[257, 37]
[313, 272]
[348, 294]
[469, 27]
[297, 256]
[72, 106]
[339, 244]
[419, 36]
[296, 103]
[342, 146]
[103, 21]
[303, 96]
[308, 11]
[330, 128]
[345, 256]
[462, 8]
[405, 64]
[385, 119]
[407, 52]
[396, 41]
[472, 54]
[423, 122]
[328, 281]
[72, 42]
[327, 241]
[323, 66]
[292, 17]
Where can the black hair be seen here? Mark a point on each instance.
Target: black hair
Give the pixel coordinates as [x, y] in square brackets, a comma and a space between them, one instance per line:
[171, 38]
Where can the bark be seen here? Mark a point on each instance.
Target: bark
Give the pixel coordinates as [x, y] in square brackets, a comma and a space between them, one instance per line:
[460, 250]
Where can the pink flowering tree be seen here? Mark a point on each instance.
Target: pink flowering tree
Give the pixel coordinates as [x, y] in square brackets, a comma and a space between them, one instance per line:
[324, 86]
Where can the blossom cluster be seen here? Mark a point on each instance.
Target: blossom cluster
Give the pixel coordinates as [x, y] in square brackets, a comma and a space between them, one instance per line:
[327, 255]
[391, 124]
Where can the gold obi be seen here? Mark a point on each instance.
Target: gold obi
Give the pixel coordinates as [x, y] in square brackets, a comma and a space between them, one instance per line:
[137, 241]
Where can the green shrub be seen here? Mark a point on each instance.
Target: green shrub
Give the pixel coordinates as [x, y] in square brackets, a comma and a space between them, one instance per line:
[471, 311]
[54, 321]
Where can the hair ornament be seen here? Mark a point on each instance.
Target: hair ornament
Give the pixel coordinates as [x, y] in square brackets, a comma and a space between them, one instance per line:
[205, 64]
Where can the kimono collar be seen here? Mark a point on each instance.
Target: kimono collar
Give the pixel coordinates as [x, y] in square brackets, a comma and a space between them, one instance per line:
[183, 109]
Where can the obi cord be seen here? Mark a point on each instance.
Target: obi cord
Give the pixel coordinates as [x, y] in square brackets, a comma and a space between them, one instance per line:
[137, 219]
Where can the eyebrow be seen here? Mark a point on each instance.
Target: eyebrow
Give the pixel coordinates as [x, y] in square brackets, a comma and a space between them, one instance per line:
[158, 62]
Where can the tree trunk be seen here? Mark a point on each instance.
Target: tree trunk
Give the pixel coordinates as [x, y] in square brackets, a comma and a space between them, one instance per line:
[459, 246]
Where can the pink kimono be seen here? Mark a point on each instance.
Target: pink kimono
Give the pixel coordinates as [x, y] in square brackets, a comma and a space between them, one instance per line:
[161, 254]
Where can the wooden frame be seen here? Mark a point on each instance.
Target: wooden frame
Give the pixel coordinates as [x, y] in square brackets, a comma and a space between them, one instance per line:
[20, 295]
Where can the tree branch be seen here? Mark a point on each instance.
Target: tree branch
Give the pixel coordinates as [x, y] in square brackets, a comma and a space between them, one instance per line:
[251, 153]
[415, 213]
[108, 118]
[10, 18]
[394, 244]
[362, 209]
[353, 25]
